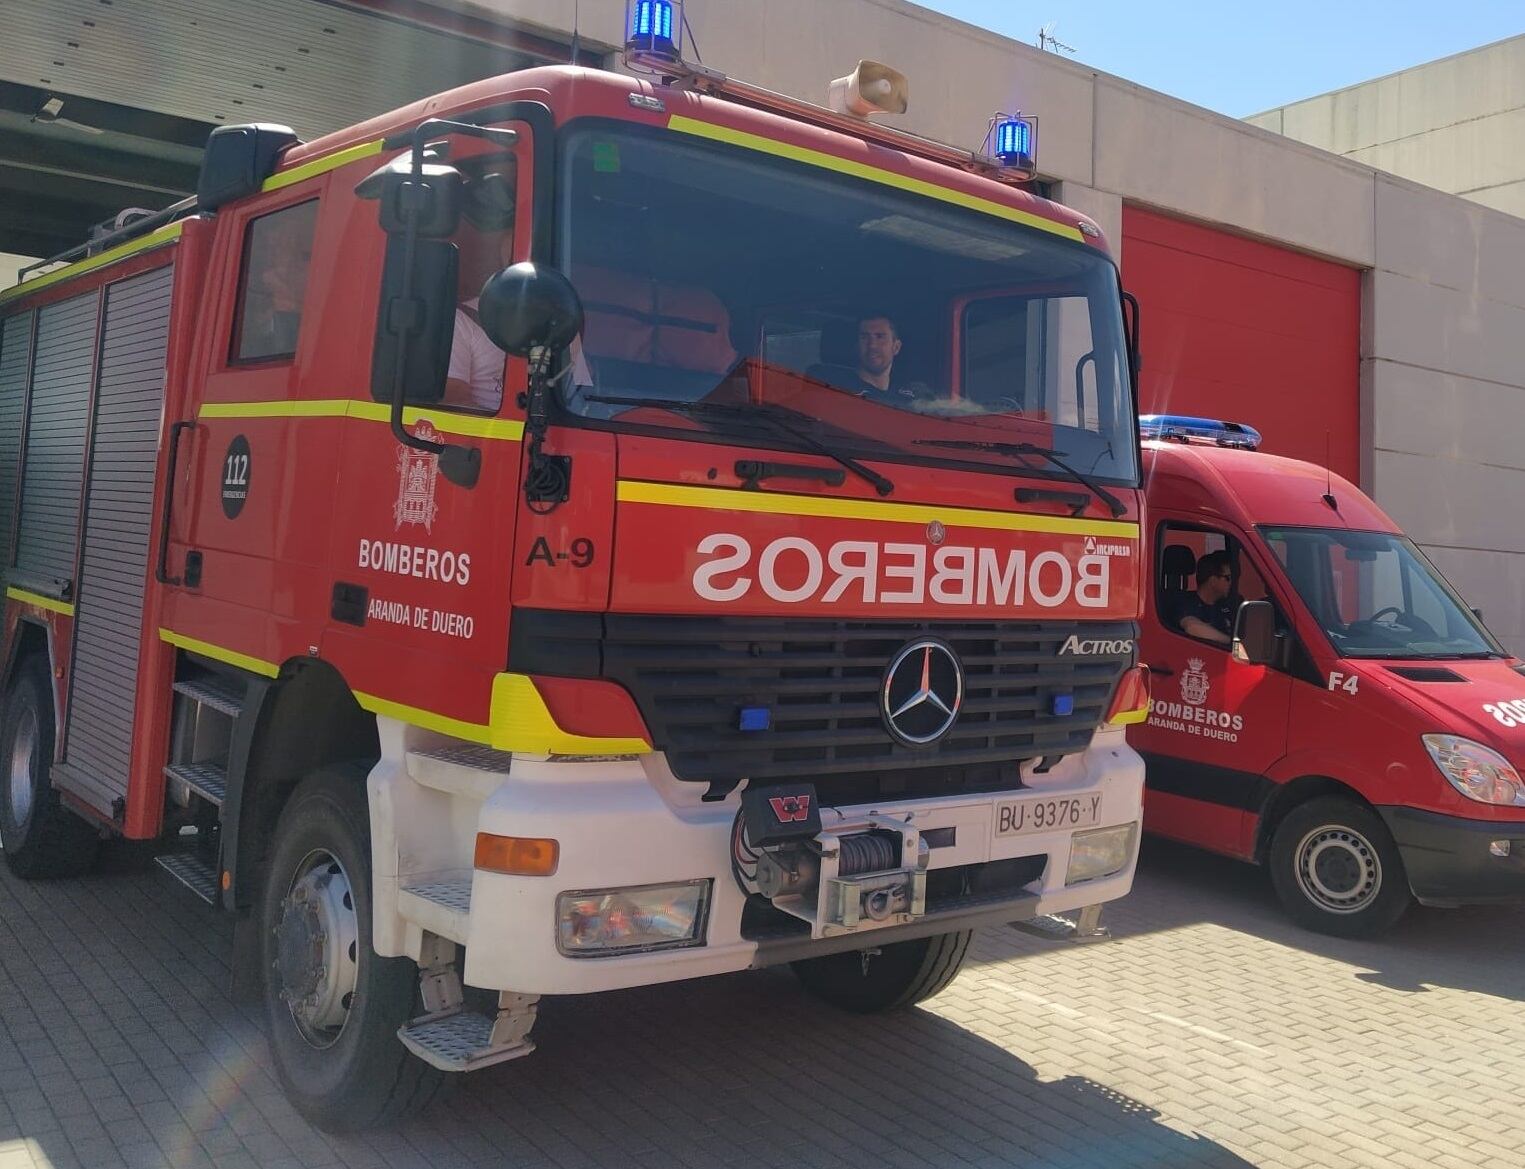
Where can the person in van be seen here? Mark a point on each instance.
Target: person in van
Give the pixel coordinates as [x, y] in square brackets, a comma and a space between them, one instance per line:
[1207, 613]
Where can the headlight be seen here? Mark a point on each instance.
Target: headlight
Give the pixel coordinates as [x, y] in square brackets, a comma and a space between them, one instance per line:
[1099, 853]
[602, 922]
[1479, 773]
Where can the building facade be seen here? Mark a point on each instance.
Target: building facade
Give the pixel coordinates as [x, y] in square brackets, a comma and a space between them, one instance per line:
[1356, 318]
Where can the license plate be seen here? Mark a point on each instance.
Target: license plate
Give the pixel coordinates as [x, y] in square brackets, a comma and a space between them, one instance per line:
[1046, 814]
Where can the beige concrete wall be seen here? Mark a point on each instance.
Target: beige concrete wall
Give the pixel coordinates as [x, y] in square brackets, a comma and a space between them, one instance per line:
[1443, 339]
[1457, 124]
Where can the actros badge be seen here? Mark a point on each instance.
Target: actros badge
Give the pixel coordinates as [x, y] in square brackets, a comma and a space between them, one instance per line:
[922, 692]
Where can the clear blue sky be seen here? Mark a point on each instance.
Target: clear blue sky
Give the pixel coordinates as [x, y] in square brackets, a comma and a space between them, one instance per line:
[1240, 60]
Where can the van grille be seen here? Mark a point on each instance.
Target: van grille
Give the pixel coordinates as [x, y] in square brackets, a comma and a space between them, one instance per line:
[820, 681]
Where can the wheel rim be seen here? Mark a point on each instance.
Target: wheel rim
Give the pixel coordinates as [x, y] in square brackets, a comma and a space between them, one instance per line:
[1338, 869]
[23, 768]
[317, 949]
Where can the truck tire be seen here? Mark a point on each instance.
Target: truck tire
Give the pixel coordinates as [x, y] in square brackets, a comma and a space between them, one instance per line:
[885, 978]
[332, 1005]
[1336, 869]
[41, 837]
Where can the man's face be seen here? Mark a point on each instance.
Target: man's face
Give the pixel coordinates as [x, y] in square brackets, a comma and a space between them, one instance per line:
[1218, 585]
[877, 346]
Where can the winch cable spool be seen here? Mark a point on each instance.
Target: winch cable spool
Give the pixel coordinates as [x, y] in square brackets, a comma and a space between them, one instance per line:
[868, 852]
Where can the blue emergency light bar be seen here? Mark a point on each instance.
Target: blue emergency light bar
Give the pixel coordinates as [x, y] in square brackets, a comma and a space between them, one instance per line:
[1186, 428]
[650, 25]
[1016, 141]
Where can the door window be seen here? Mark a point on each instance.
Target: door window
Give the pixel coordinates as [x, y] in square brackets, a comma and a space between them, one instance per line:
[1202, 577]
[273, 284]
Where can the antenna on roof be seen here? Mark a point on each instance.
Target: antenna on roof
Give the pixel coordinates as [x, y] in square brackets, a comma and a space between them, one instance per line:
[576, 45]
[1329, 477]
[1047, 39]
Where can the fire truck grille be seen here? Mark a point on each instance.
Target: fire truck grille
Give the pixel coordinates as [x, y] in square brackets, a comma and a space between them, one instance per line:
[820, 683]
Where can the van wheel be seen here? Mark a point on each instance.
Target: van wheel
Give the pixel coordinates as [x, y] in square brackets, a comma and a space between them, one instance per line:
[40, 836]
[885, 978]
[1336, 869]
[332, 1005]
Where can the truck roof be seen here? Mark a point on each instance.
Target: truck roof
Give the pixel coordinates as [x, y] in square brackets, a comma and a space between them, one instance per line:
[1250, 488]
[601, 92]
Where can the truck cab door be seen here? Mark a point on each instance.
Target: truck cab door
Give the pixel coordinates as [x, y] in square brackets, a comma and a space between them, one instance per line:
[1217, 725]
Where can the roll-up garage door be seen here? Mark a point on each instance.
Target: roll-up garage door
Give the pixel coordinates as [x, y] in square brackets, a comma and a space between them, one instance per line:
[1238, 329]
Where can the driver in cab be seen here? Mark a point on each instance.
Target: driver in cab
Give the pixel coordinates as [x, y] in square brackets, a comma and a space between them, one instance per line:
[1208, 613]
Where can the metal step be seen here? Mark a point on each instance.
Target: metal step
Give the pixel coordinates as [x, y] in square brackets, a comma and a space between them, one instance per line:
[220, 694]
[192, 872]
[1052, 927]
[463, 769]
[460, 1041]
[207, 780]
[440, 906]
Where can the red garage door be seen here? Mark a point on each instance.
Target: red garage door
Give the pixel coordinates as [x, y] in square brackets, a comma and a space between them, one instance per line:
[1237, 329]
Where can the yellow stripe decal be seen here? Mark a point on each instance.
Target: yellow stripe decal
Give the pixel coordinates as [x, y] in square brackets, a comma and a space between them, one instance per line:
[413, 716]
[52, 604]
[700, 129]
[777, 503]
[207, 650]
[161, 235]
[507, 429]
[320, 166]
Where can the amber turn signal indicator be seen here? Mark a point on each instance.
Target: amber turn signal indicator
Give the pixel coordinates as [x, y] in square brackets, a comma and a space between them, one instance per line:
[518, 856]
[1131, 702]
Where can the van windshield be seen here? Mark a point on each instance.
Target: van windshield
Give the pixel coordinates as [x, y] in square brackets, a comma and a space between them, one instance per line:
[1376, 596]
[888, 324]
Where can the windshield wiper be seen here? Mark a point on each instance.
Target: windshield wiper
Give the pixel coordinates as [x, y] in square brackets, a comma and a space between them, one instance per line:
[1114, 504]
[763, 412]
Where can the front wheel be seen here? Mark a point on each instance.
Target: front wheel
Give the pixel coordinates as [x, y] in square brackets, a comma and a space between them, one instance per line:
[1337, 870]
[332, 1005]
[886, 978]
[40, 836]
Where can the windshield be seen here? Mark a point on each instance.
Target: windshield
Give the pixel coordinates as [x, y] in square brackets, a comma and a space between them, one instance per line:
[1376, 596]
[892, 325]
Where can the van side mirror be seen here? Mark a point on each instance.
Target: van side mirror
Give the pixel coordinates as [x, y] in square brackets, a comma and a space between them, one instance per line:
[526, 307]
[432, 199]
[1255, 633]
[415, 325]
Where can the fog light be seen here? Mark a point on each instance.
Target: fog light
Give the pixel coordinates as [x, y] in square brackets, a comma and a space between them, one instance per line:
[1499, 848]
[1099, 853]
[600, 922]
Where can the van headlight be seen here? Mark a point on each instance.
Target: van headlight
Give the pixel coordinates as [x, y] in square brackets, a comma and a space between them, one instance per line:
[600, 923]
[1480, 773]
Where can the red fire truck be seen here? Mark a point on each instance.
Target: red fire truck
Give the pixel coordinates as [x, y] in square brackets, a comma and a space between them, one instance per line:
[577, 532]
[1348, 722]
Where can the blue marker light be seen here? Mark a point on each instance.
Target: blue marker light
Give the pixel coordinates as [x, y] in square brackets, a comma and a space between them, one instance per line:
[1062, 704]
[755, 718]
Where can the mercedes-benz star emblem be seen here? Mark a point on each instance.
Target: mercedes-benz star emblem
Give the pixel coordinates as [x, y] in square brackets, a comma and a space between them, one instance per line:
[923, 690]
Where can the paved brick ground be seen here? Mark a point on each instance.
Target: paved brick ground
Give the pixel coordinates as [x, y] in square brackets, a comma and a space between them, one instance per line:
[1210, 1033]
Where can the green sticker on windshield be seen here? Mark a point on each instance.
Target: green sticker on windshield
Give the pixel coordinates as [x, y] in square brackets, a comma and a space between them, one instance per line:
[606, 157]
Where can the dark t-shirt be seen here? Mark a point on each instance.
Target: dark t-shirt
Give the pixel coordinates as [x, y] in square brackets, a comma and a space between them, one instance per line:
[1218, 616]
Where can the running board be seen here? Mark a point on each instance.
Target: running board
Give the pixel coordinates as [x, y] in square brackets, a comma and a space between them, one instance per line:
[192, 872]
[465, 1041]
[1051, 927]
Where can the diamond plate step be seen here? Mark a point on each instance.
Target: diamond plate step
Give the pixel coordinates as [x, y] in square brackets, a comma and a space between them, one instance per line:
[192, 872]
[459, 1042]
[207, 780]
[440, 906]
[471, 771]
[222, 696]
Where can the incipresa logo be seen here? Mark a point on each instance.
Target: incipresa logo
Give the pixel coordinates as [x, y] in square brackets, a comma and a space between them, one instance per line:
[793, 570]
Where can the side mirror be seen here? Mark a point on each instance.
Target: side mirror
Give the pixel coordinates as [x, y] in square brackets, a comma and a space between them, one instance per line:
[1255, 633]
[434, 197]
[415, 323]
[527, 306]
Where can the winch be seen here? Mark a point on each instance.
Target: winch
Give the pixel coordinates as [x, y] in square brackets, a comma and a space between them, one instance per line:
[863, 872]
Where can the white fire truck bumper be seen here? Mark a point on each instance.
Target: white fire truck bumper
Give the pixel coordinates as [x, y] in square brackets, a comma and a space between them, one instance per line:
[624, 827]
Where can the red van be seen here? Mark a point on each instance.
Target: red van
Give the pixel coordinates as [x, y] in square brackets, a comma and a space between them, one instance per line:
[1324, 704]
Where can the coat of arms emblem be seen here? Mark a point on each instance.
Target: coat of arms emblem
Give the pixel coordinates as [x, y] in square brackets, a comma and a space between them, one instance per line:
[1194, 683]
[417, 472]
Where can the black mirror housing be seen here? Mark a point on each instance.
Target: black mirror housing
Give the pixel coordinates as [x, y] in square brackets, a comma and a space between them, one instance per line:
[435, 197]
[427, 316]
[1255, 641]
[528, 306]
